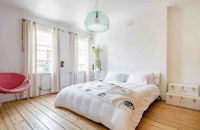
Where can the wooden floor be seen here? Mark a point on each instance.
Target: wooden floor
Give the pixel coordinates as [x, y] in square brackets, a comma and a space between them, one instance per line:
[40, 113]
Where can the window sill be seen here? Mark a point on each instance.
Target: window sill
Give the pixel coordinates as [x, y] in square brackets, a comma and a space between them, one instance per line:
[43, 73]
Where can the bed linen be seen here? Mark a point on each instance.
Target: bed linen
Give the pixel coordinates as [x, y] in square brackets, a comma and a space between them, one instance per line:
[107, 113]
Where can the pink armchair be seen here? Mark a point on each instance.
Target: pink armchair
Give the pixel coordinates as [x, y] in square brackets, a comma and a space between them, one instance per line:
[13, 83]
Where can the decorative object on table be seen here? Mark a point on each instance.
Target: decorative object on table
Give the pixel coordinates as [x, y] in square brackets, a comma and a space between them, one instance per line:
[96, 21]
[97, 58]
[62, 63]
[97, 65]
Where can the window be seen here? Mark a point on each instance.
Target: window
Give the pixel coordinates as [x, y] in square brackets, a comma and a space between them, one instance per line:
[44, 49]
[82, 54]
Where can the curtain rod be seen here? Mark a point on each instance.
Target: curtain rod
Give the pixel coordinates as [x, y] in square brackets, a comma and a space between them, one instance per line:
[23, 19]
[50, 26]
[72, 32]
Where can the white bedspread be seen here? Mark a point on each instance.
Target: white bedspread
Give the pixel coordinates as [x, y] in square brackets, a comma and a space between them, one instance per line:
[111, 116]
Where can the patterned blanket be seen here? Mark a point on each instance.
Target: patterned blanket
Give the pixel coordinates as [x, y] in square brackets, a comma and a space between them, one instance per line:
[113, 94]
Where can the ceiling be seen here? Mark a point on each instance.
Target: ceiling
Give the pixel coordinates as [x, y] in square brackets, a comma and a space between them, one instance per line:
[73, 12]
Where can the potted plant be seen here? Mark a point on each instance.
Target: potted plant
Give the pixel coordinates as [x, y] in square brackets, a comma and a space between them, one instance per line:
[97, 60]
[62, 63]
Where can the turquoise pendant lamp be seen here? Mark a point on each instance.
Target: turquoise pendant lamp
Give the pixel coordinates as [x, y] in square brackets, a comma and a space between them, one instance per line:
[96, 22]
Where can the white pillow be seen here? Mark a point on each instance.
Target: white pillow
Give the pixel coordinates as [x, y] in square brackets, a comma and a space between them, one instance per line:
[115, 77]
[141, 79]
[150, 78]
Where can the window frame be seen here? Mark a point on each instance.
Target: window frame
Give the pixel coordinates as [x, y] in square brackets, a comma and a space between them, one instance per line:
[45, 62]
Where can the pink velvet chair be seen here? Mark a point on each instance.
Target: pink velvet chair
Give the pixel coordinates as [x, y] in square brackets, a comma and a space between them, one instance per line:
[13, 83]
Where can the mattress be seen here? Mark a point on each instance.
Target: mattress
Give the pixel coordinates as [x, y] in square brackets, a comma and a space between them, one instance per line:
[111, 116]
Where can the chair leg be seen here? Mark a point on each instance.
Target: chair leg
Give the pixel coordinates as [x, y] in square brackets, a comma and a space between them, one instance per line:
[16, 96]
[26, 93]
[160, 98]
[1, 100]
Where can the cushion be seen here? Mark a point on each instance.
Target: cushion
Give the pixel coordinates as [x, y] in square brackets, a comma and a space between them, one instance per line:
[137, 79]
[142, 78]
[11, 80]
[150, 78]
[115, 77]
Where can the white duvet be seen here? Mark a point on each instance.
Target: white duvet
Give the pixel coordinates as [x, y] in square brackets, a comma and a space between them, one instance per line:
[111, 116]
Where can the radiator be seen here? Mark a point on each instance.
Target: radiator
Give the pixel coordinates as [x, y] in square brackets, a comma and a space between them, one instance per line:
[44, 83]
[81, 77]
[65, 79]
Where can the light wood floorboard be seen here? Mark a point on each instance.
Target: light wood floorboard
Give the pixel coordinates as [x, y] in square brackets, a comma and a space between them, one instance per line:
[40, 114]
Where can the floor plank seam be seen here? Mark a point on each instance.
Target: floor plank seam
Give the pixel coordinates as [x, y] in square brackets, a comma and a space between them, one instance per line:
[22, 116]
[177, 122]
[9, 116]
[47, 115]
[60, 115]
[35, 116]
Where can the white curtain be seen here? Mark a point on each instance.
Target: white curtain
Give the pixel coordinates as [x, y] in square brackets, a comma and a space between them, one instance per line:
[55, 75]
[29, 49]
[89, 65]
[74, 57]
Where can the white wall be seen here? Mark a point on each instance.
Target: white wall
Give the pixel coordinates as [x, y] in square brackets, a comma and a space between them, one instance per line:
[10, 42]
[11, 58]
[139, 45]
[10, 38]
[184, 43]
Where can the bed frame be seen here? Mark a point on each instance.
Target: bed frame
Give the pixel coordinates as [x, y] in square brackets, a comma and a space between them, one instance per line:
[157, 79]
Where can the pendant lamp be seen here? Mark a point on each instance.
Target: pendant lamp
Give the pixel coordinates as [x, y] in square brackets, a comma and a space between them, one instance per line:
[96, 21]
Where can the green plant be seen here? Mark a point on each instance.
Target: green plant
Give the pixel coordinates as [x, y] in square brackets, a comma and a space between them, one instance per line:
[62, 63]
[97, 61]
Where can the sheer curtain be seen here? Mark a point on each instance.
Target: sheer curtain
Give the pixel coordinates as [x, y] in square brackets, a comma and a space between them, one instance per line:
[29, 48]
[74, 57]
[55, 74]
[89, 63]
[80, 47]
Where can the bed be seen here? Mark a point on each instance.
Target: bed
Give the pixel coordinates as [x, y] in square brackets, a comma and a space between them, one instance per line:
[116, 104]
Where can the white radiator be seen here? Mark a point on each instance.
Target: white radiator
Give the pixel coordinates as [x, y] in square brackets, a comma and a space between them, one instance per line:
[44, 83]
[65, 79]
[81, 77]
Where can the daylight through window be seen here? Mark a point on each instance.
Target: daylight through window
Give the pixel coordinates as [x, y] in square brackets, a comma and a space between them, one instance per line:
[82, 54]
[44, 49]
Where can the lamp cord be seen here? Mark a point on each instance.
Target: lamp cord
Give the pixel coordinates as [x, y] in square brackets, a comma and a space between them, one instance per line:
[96, 5]
[97, 15]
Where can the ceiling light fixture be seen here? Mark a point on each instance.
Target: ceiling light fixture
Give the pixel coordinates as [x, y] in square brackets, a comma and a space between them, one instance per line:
[96, 21]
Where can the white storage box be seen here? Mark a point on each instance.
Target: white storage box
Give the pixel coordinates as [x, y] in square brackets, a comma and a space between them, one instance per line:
[182, 89]
[183, 101]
